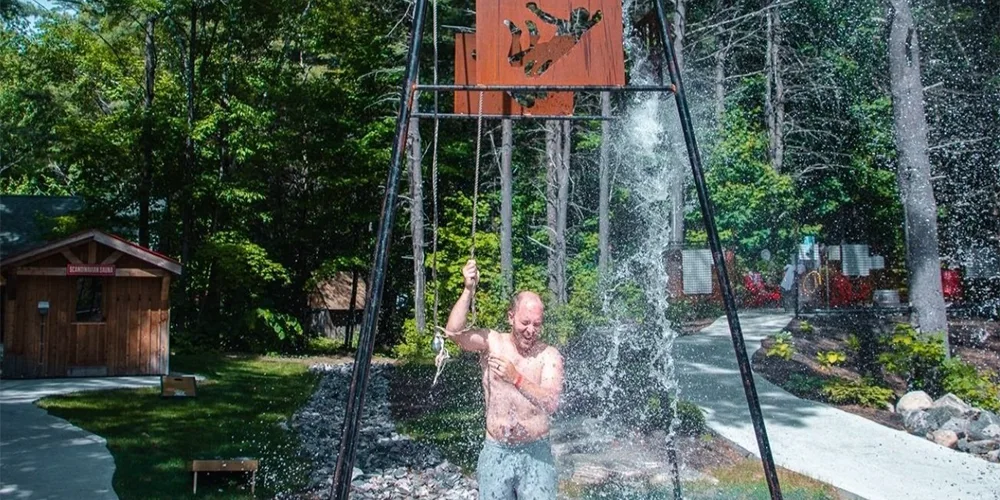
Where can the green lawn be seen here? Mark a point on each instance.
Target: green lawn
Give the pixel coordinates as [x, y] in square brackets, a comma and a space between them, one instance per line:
[236, 414]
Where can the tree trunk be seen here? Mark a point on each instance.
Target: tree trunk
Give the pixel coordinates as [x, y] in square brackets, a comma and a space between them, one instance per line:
[914, 173]
[679, 185]
[603, 211]
[506, 208]
[417, 225]
[187, 214]
[774, 98]
[567, 144]
[554, 164]
[720, 69]
[146, 182]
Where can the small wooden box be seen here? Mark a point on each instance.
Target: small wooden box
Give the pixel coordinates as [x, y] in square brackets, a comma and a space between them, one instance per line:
[235, 465]
[174, 386]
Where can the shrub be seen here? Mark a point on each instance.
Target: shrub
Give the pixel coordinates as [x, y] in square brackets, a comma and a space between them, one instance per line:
[853, 343]
[804, 385]
[690, 419]
[806, 327]
[963, 380]
[863, 392]
[830, 358]
[782, 346]
[917, 358]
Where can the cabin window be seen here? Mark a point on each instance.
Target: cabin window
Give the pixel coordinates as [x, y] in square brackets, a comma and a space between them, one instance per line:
[89, 293]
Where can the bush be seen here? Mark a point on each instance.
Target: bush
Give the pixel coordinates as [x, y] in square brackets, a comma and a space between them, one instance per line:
[916, 358]
[782, 346]
[687, 310]
[863, 392]
[830, 358]
[978, 389]
[806, 328]
[804, 385]
[690, 419]
[922, 363]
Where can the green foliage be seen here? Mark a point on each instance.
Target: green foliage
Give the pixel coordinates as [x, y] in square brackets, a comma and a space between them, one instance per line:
[829, 359]
[922, 363]
[863, 392]
[658, 415]
[686, 310]
[268, 330]
[806, 328]
[914, 357]
[783, 347]
[853, 344]
[965, 381]
[804, 385]
[756, 206]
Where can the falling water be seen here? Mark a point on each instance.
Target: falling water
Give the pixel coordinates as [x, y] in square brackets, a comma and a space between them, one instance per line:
[631, 374]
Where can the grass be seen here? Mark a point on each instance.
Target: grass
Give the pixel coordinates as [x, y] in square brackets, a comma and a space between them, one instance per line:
[741, 481]
[236, 414]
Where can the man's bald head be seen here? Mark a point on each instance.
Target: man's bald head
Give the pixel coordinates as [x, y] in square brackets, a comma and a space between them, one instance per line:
[522, 298]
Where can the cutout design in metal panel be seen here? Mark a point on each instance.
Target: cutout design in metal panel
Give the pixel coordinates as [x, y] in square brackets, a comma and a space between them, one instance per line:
[550, 42]
[500, 103]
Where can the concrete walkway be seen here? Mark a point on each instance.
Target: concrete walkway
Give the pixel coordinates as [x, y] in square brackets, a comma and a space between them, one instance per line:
[833, 446]
[44, 457]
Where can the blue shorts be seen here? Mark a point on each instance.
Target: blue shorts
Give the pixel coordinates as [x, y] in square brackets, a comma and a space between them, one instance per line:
[522, 471]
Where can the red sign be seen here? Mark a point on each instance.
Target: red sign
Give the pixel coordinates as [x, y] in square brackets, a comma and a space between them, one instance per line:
[90, 270]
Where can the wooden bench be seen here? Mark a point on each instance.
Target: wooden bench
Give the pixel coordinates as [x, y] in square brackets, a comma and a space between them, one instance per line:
[235, 465]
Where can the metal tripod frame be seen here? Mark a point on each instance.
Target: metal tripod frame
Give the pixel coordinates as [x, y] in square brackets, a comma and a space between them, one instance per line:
[366, 342]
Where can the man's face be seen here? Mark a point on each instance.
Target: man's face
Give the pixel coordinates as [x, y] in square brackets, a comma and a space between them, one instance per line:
[526, 322]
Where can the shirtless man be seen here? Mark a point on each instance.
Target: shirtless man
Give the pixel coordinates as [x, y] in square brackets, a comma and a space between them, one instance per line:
[522, 381]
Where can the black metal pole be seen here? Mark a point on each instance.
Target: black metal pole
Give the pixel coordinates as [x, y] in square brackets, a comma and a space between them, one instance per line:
[341, 487]
[720, 262]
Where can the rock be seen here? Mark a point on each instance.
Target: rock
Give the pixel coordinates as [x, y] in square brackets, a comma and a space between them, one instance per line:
[978, 447]
[948, 439]
[917, 422]
[957, 425]
[986, 425]
[941, 414]
[954, 402]
[993, 456]
[914, 401]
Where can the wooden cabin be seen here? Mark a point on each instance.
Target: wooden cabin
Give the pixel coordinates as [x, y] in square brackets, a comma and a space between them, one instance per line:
[336, 305]
[91, 304]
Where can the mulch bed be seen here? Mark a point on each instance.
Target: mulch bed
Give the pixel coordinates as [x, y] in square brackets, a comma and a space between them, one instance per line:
[974, 340]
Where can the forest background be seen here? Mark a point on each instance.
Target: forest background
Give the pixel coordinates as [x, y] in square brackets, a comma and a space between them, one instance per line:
[251, 141]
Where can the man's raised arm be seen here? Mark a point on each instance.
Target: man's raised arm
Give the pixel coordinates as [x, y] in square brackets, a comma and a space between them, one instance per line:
[474, 339]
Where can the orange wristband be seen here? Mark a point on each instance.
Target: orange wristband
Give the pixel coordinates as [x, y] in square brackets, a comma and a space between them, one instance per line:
[518, 380]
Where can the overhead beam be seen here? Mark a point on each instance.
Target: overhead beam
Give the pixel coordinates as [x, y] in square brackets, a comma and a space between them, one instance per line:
[71, 257]
[111, 259]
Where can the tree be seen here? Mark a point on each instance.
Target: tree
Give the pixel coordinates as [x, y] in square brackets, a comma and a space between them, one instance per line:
[506, 203]
[604, 188]
[914, 172]
[416, 204]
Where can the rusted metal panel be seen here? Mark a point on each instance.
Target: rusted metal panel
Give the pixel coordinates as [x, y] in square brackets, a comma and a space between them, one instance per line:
[550, 42]
[499, 103]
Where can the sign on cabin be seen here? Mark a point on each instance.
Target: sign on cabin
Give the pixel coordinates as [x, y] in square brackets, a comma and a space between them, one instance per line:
[89, 270]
